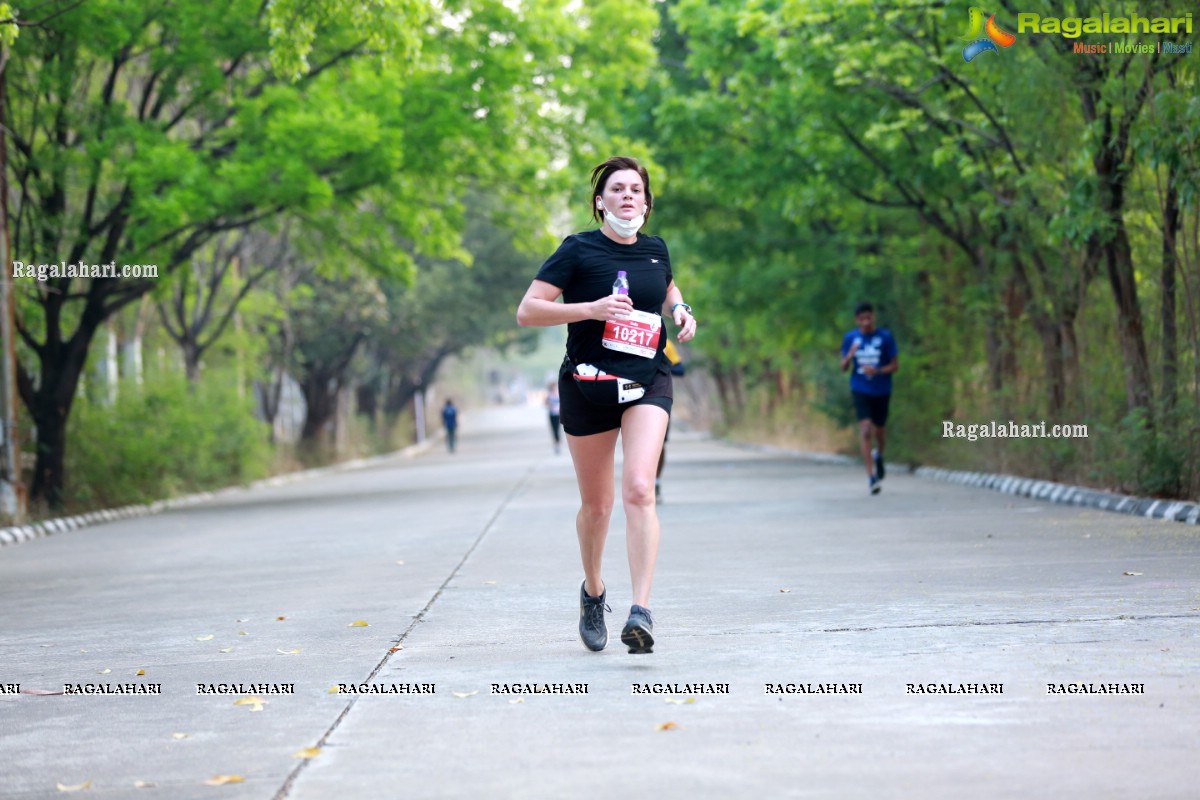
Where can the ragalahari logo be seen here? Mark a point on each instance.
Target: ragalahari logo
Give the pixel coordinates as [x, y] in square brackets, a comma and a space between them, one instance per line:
[982, 38]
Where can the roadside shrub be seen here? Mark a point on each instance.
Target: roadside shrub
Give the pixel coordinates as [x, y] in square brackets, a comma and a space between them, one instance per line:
[163, 439]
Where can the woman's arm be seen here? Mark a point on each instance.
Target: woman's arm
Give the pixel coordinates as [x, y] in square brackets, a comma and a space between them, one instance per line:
[682, 316]
[539, 307]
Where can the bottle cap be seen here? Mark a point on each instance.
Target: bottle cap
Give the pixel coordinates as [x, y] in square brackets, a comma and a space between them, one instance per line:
[621, 273]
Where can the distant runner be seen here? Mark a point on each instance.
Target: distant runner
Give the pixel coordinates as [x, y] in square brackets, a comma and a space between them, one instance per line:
[553, 408]
[450, 422]
[677, 370]
[873, 354]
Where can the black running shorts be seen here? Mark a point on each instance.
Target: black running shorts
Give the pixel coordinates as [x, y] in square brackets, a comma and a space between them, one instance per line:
[871, 406]
[582, 418]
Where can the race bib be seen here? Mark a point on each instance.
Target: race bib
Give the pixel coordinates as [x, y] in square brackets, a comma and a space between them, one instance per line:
[637, 334]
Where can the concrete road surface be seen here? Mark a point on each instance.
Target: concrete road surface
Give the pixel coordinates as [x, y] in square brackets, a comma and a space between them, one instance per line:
[934, 641]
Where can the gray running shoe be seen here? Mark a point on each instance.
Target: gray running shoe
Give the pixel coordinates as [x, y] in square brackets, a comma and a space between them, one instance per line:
[878, 458]
[592, 629]
[638, 634]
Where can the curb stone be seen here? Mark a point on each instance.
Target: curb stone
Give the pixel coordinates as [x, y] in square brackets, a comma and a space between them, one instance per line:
[35, 530]
[1062, 493]
[1173, 510]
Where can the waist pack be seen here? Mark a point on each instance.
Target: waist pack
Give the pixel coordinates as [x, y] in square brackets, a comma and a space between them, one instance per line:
[606, 389]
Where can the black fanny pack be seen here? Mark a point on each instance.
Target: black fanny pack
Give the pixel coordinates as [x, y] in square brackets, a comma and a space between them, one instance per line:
[606, 389]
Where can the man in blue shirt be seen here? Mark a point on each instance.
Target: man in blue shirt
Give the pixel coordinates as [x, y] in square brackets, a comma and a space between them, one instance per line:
[872, 354]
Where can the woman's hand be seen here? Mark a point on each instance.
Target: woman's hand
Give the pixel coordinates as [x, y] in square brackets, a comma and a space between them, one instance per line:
[611, 307]
[687, 324]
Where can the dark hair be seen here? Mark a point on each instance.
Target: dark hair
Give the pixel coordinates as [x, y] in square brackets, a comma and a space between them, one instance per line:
[862, 308]
[603, 171]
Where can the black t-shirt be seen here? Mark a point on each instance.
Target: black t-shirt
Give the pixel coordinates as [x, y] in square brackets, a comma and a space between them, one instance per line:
[584, 267]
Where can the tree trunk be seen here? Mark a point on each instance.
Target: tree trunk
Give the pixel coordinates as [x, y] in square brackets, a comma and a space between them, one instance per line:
[50, 406]
[1118, 261]
[319, 402]
[1110, 166]
[1170, 261]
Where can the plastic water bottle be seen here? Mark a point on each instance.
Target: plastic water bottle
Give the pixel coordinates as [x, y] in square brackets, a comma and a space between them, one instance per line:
[621, 284]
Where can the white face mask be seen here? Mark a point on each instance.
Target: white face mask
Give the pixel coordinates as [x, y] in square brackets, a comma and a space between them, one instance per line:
[625, 228]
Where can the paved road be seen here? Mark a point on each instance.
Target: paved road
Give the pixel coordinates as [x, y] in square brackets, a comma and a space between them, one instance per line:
[774, 572]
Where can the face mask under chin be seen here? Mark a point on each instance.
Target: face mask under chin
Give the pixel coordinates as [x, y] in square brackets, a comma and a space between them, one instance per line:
[623, 228]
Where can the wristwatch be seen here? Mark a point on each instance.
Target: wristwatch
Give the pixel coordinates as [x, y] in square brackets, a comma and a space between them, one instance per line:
[681, 305]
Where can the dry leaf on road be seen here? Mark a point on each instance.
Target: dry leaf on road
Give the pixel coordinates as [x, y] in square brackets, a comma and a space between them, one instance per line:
[668, 726]
[359, 623]
[256, 703]
[287, 652]
[679, 701]
[221, 780]
[334, 690]
[180, 735]
[140, 672]
[144, 784]
[1131, 574]
[308, 752]
[204, 638]
[79, 787]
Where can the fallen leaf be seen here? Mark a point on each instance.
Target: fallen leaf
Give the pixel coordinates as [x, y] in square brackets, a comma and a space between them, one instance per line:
[518, 700]
[287, 652]
[144, 784]
[226, 650]
[1131, 574]
[668, 726]
[465, 694]
[679, 701]
[242, 633]
[140, 672]
[396, 649]
[221, 780]
[279, 618]
[256, 703]
[204, 638]
[358, 623]
[784, 591]
[79, 787]
[103, 671]
[334, 690]
[308, 752]
[180, 735]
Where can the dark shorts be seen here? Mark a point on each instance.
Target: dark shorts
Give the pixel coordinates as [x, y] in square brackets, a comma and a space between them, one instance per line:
[871, 406]
[581, 418]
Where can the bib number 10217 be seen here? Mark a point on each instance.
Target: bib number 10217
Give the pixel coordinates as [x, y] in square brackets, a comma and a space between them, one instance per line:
[637, 334]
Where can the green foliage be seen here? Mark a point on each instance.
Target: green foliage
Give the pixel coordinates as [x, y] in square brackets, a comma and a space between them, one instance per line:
[163, 440]
[822, 152]
[1137, 455]
[8, 25]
